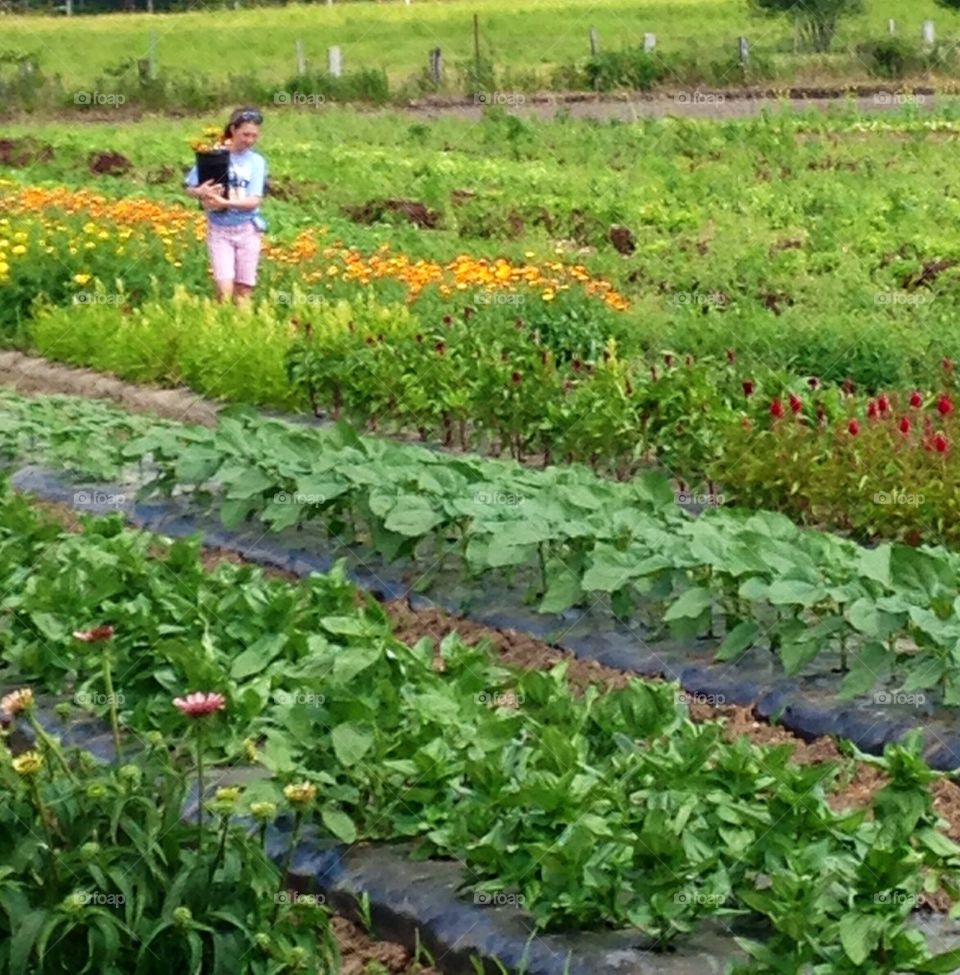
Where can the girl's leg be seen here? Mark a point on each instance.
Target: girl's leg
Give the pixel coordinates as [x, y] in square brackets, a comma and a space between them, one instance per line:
[222, 260]
[248, 257]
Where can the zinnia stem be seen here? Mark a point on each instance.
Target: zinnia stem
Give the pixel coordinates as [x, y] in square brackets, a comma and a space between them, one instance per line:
[200, 785]
[112, 703]
[294, 840]
[50, 746]
[44, 821]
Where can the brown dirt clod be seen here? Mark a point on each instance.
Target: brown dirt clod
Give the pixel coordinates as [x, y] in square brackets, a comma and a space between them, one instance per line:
[109, 164]
[622, 239]
[411, 210]
[18, 153]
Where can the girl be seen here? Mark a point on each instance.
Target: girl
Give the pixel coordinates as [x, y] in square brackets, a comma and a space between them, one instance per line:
[234, 224]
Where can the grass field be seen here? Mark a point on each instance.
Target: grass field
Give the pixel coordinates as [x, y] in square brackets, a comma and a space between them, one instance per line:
[526, 36]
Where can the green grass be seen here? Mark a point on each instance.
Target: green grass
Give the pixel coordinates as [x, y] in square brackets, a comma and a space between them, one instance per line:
[526, 35]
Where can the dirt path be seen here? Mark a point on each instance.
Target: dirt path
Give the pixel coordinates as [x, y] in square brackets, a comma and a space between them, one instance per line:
[699, 103]
[31, 374]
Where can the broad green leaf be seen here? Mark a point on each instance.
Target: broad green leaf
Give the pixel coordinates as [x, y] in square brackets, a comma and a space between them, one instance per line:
[859, 935]
[258, 656]
[351, 742]
[691, 604]
[340, 824]
[739, 639]
[794, 592]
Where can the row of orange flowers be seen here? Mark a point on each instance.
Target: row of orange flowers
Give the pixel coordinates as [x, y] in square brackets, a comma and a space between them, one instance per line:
[321, 261]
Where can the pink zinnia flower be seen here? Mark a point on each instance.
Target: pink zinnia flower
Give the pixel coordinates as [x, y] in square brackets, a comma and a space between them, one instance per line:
[95, 635]
[199, 705]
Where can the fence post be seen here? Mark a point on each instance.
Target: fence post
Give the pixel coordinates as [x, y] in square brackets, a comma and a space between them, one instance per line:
[928, 32]
[891, 26]
[649, 42]
[334, 62]
[594, 42]
[301, 60]
[743, 48]
[436, 65]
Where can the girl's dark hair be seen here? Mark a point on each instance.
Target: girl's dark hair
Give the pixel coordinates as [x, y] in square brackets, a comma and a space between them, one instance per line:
[241, 115]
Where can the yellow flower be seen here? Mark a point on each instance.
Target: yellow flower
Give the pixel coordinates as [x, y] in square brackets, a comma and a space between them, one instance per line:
[301, 794]
[29, 763]
[82, 278]
[18, 249]
[250, 750]
[4, 267]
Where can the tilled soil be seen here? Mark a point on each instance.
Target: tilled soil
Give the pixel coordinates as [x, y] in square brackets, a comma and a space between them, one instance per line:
[363, 956]
[31, 374]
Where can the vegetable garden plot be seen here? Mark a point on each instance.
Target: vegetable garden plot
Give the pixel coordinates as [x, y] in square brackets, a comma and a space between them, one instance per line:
[602, 794]
[410, 517]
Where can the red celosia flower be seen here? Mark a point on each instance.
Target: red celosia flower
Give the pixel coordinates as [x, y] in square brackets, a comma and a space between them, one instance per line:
[468, 313]
[668, 360]
[689, 360]
[95, 635]
[576, 365]
[916, 398]
[940, 443]
[883, 403]
[440, 348]
[731, 356]
[813, 382]
[905, 426]
[821, 412]
[796, 404]
[748, 387]
[199, 705]
[516, 377]
[849, 387]
[944, 405]
[853, 428]
[872, 409]
[946, 364]
[653, 373]
[447, 319]
[776, 409]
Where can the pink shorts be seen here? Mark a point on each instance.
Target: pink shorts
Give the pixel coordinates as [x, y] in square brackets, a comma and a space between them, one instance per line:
[234, 252]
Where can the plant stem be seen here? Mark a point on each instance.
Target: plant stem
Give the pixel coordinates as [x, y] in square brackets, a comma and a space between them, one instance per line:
[225, 824]
[51, 747]
[294, 839]
[199, 785]
[111, 703]
[44, 821]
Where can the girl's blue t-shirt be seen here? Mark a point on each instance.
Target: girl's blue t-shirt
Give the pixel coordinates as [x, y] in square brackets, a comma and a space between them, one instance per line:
[247, 177]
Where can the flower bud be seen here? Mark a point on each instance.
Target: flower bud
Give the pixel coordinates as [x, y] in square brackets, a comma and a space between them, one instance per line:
[89, 850]
[300, 795]
[264, 812]
[182, 917]
[75, 902]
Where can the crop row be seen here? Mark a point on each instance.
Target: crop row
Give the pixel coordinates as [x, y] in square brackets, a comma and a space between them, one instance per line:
[754, 579]
[555, 381]
[596, 809]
